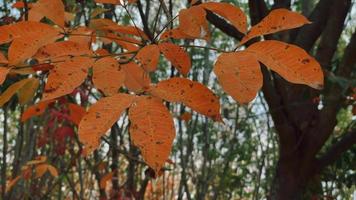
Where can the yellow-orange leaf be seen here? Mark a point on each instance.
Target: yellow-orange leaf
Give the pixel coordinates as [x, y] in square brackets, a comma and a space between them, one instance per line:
[35, 110]
[27, 92]
[178, 57]
[100, 117]
[152, 130]
[82, 35]
[52, 9]
[40, 170]
[26, 29]
[52, 170]
[277, 20]
[76, 113]
[148, 57]
[11, 183]
[136, 79]
[3, 59]
[3, 73]
[193, 94]
[59, 49]
[232, 13]
[290, 61]
[192, 22]
[24, 48]
[11, 91]
[66, 76]
[103, 181]
[176, 33]
[239, 74]
[108, 75]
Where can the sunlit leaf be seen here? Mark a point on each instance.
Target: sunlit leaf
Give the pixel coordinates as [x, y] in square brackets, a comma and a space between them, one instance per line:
[100, 117]
[291, 62]
[108, 75]
[52, 9]
[239, 74]
[148, 57]
[177, 56]
[136, 79]
[152, 130]
[277, 20]
[193, 94]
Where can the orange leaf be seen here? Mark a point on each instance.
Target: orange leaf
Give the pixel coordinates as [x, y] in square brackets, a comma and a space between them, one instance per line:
[82, 35]
[103, 181]
[186, 116]
[107, 75]
[52, 170]
[26, 29]
[66, 76]
[76, 113]
[25, 47]
[60, 49]
[136, 79]
[232, 13]
[191, 93]
[3, 73]
[239, 74]
[152, 130]
[178, 57]
[290, 61]
[37, 160]
[21, 4]
[277, 20]
[40, 170]
[100, 117]
[11, 91]
[176, 33]
[11, 183]
[192, 22]
[34, 110]
[26, 93]
[109, 25]
[148, 57]
[3, 59]
[52, 9]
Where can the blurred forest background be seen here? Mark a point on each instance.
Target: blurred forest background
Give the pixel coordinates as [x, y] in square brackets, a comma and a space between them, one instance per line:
[235, 160]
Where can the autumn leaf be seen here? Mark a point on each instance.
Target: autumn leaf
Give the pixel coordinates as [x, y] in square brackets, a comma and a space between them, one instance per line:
[115, 2]
[239, 74]
[10, 184]
[27, 92]
[52, 9]
[291, 62]
[148, 57]
[175, 33]
[277, 20]
[193, 94]
[66, 76]
[3, 73]
[26, 29]
[230, 12]
[61, 49]
[177, 56]
[152, 130]
[136, 79]
[76, 113]
[192, 22]
[11, 91]
[108, 75]
[104, 180]
[3, 59]
[100, 117]
[35, 110]
[82, 35]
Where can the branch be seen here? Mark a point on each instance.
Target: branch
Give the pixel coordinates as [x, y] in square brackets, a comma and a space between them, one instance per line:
[224, 26]
[308, 34]
[144, 19]
[334, 153]
[327, 119]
